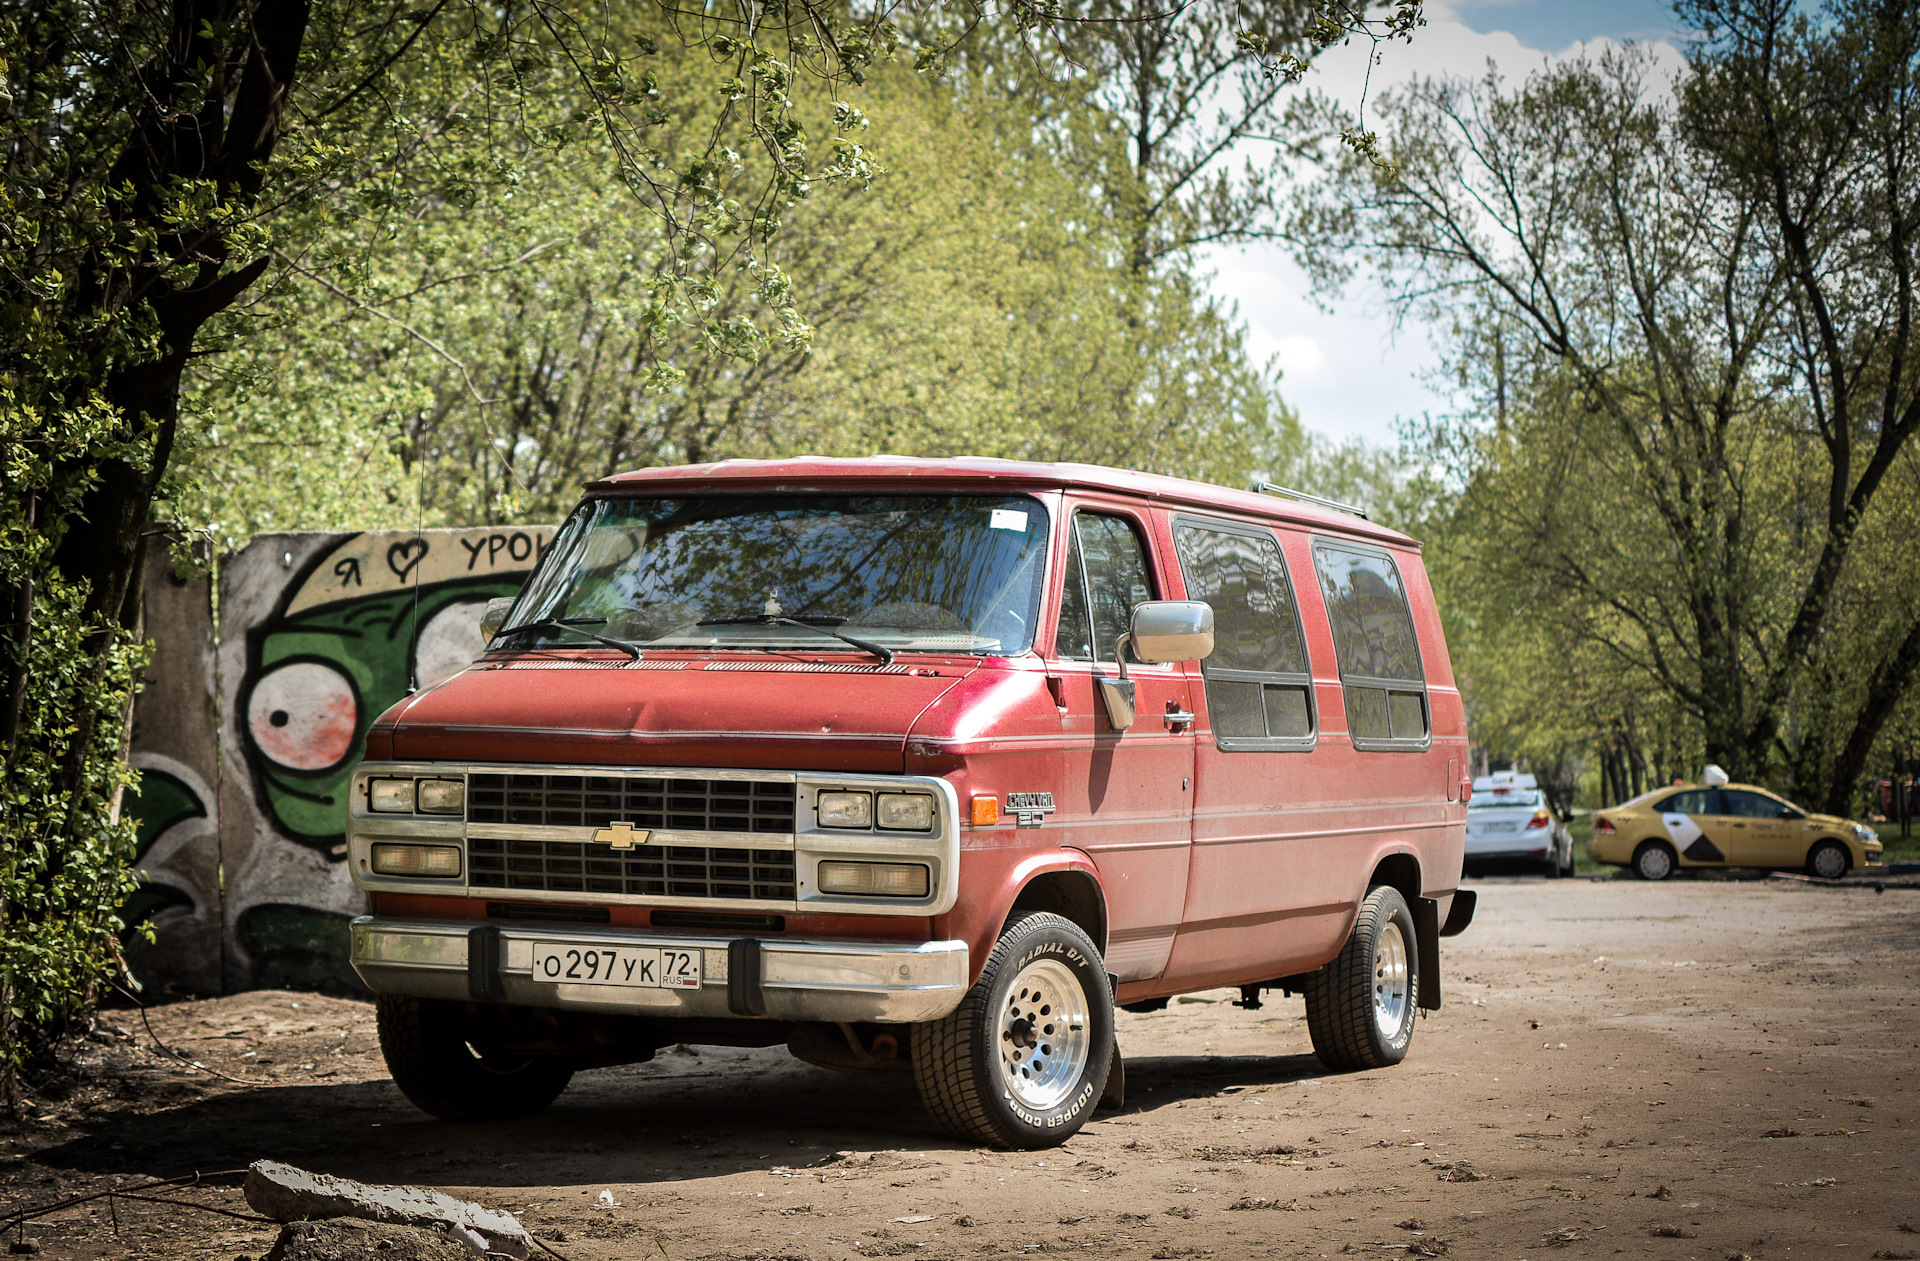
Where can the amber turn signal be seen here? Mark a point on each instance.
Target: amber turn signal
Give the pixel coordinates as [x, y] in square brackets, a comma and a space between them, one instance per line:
[986, 811]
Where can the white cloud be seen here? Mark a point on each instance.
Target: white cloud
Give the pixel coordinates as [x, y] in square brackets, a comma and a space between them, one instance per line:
[1344, 369]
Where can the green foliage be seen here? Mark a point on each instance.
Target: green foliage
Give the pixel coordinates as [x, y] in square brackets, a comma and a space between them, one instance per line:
[1683, 330]
[66, 868]
[479, 362]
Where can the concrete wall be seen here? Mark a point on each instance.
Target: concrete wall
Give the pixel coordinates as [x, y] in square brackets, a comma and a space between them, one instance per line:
[246, 738]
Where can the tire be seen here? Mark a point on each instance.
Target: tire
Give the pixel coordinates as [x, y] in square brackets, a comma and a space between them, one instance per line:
[1360, 1007]
[425, 1045]
[997, 1069]
[1829, 860]
[1654, 860]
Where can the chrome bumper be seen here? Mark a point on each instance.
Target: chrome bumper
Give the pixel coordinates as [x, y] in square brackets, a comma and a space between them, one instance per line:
[776, 978]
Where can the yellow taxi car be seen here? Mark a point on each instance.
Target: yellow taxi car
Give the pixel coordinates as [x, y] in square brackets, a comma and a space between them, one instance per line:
[1718, 824]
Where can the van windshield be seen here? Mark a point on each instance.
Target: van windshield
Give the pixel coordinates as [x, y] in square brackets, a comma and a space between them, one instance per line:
[913, 573]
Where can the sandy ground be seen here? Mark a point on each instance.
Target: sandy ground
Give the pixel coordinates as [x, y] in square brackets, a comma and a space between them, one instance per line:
[1693, 1070]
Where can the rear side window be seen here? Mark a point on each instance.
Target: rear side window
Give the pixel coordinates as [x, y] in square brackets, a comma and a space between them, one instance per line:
[1380, 672]
[1693, 801]
[1259, 693]
[1106, 576]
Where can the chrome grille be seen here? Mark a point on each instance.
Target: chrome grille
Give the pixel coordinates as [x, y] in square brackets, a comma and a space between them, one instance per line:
[648, 802]
[677, 871]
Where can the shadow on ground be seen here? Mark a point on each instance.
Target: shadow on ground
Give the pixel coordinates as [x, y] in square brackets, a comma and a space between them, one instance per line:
[723, 1111]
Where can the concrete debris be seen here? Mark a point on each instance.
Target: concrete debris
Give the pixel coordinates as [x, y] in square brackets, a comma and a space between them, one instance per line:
[287, 1194]
[348, 1239]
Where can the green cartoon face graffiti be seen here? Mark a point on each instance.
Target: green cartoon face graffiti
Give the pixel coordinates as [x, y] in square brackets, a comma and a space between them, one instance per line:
[344, 647]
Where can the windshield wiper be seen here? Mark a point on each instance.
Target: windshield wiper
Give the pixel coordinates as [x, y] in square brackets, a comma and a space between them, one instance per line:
[824, 625]
[571, 625]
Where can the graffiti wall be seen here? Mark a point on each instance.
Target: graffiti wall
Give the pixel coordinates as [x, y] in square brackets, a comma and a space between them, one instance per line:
[251, 722]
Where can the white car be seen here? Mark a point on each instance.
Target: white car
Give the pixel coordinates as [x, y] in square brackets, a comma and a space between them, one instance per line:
[1509, 819]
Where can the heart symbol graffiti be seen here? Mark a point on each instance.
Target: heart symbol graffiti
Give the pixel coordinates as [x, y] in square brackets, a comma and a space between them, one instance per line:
[404, 558]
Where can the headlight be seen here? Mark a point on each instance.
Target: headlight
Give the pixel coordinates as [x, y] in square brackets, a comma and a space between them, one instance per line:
[882, 880]
[906, 812]
[443, 796]
[390, 796]
[1865, 833]
[846, 810]
[416, 860]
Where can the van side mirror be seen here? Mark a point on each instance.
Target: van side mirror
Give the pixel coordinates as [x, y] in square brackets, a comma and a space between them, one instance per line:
[1172, 630]
[1162, 631]
[495, 614]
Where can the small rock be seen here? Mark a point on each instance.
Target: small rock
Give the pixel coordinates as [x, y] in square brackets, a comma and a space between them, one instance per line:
[24, 1247]
[288, 1194]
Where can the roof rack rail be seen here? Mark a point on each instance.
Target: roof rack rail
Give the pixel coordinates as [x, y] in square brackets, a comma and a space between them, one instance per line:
[1337, 506]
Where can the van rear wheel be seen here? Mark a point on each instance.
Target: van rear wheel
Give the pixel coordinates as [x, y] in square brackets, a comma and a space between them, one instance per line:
[430, 1060]
[1022, 1061]
[1360, 1007]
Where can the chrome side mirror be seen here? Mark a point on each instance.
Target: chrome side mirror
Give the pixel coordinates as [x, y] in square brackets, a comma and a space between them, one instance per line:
[1162, 631]
[496, 613]
[1172, 630]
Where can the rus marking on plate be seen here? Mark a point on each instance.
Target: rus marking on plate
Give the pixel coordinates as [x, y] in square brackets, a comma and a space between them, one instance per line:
[1030, 809]
[621, 835]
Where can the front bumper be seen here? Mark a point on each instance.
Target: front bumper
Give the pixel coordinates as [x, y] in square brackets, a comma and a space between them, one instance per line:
[775, 978]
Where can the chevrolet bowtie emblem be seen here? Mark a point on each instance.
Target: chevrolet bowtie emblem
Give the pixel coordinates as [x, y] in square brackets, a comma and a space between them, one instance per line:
[620, 836]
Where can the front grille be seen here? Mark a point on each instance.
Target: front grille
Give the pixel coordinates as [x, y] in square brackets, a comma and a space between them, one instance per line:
[676, 871]
[594, 801]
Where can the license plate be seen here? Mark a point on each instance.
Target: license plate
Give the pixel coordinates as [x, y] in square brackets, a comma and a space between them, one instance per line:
[569, 964]
[1499, 827]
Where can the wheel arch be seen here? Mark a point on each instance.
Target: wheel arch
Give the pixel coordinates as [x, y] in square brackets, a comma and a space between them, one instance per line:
[1400, 871]
[1071, 893]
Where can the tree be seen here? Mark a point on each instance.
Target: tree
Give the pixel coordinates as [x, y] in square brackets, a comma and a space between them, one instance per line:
[1683, 327]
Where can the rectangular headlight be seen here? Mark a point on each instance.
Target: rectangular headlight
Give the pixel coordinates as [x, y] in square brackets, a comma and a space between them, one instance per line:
[443, 796]
[846, 810]
[390, 796]
[905, 812]
[880, 880]
[416, 860]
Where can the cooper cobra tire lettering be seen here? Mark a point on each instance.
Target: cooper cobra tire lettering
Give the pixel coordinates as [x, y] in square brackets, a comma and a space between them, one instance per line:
[957, 1060]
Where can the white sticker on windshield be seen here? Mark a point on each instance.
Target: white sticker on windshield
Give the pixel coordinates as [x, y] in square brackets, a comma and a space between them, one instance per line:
[1008, 519]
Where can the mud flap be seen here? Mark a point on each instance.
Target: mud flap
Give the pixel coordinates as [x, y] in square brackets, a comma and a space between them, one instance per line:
[1426, 935]
[1115, 1094]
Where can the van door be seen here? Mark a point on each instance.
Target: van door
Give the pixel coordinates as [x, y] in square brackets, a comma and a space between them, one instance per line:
[1258, 901]
[1125, 794]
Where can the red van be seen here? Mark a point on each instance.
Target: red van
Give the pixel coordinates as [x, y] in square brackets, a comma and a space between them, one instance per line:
[918, 766]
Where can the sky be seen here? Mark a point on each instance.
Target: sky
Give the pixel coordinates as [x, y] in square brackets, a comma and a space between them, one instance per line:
[1344, 368]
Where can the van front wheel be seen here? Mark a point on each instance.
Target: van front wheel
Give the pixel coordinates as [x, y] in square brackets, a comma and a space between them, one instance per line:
[429, 1058]
[1360, 1007]
[1022, 1061]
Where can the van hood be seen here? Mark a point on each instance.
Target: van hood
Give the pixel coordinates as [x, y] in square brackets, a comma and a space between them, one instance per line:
[752, 713]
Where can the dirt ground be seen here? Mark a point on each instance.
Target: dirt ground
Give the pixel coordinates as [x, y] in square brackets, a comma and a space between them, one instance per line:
[1691, 1070]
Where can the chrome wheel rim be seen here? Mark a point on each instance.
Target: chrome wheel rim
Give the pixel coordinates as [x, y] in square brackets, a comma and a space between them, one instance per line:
[1655, 865]
[1390, 976]
[1045, 1035]
[1829, 863]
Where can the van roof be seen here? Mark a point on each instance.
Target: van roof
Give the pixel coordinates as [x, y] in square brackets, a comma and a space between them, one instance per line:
[812, 472]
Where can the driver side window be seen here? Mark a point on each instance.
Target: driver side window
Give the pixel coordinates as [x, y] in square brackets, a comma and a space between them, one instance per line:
[1107, 575]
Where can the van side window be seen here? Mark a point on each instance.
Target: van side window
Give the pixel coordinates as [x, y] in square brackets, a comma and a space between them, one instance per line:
[1380, 673]
[1108, 564]
[1259, 693]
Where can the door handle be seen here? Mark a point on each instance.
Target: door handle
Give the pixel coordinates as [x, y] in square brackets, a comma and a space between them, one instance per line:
[1177, 717]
